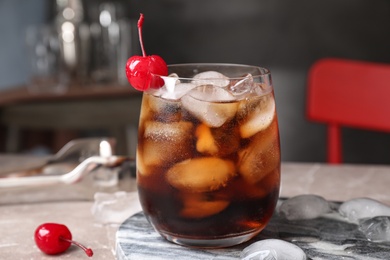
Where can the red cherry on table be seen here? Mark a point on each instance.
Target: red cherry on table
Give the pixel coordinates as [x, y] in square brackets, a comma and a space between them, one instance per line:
[140, 69]
[53, 238]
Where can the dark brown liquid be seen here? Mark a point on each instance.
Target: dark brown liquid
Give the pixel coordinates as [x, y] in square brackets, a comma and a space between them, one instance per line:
[241, 216]
[239, 199]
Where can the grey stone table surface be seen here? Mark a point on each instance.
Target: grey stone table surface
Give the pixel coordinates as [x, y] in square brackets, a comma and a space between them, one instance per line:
[327, 237]
[19, 220]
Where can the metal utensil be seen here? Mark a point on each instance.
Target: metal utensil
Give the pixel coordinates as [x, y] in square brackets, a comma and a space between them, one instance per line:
[72, 153]
[92, 152]
[68, 178]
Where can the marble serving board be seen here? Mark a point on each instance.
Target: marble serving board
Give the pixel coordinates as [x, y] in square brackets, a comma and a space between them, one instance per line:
[328, 237]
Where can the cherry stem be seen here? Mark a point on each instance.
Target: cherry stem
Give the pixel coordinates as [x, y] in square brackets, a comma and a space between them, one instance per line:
[88, 251]
[139, 25]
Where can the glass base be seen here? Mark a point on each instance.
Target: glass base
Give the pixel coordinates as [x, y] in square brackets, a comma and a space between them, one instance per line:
[217, 242]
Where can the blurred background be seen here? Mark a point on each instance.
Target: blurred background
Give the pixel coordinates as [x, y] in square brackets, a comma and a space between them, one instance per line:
[285, 36]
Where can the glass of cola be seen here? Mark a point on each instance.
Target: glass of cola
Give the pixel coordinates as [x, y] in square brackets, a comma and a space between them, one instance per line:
[208, 155]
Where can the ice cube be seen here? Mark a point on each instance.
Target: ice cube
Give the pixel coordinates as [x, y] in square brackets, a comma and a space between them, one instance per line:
[212, 106]
[164, 144]
[157, 105]
[211, 78]
[261, 156]
[178, 91]
[242, 86]
[260, 116]
[205, 142]
[227, 138]
[114, 208]
[239, 188]
[272, 249]
[360, 208]
[306, 206]
[376, 229]
[211, 94]
[219, 142]
[170, 82]
[198, 205]
[201, 174]
[161, 110]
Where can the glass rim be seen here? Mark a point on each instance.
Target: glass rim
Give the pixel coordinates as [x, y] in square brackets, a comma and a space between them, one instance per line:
[263, 71]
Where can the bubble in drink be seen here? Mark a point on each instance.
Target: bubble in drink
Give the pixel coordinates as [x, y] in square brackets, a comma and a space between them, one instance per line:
[360, 208]
[162, 108]
[272, 249]
[376, 229]
[207, 168]
[164, 144]
[306, 206]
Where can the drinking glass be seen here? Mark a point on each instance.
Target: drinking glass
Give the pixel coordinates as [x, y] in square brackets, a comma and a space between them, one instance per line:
[208, 155]
[47, 72]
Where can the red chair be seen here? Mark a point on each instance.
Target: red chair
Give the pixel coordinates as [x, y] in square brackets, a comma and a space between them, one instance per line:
[348, 93]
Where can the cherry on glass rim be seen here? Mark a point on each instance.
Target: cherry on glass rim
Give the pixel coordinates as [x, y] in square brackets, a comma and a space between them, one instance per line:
[53, 239]
[140, 69]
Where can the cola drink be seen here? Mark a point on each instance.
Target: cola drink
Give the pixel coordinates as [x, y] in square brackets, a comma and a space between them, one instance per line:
[208, 156]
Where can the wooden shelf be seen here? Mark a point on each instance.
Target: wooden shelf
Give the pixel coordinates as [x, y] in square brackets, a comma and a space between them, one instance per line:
[20, 94]
[114, 109]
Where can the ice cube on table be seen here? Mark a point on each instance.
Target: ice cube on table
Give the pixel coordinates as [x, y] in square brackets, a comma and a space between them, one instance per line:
[114, 208]
[360, 208]
[213, 106]
[163, 144]
[259, 118]
[272, 249]
[211, 78]
[307, 206]
[376, 229]
[201, 174]
[198, 205]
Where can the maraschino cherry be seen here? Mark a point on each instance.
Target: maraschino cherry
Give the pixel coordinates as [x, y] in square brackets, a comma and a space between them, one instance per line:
[139, 68]
[53, 238]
